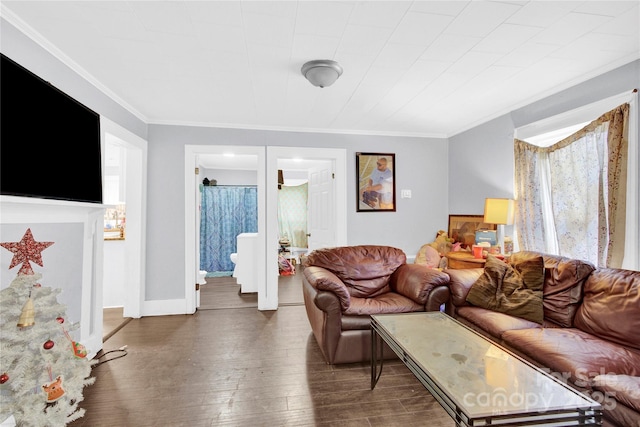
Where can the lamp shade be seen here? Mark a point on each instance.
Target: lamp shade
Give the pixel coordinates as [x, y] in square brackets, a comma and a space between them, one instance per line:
[499, 211]
[321, 72]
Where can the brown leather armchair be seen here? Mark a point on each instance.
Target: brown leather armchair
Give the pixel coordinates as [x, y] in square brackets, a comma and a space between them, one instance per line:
[343, 286]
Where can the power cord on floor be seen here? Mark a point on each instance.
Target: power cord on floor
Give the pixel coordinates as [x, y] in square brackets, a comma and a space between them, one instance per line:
[122, 350]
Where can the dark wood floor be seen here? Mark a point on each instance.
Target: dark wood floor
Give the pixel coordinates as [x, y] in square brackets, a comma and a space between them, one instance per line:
[218, 293]
[224, 292]
[244, 367]
[112, 321]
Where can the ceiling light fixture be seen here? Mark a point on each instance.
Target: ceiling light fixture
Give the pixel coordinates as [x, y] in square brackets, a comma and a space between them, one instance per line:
[321, 72]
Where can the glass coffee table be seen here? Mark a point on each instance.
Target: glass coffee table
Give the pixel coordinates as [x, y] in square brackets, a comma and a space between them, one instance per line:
[478, 382]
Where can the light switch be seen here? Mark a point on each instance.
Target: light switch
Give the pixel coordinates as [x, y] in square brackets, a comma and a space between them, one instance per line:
[405, 194]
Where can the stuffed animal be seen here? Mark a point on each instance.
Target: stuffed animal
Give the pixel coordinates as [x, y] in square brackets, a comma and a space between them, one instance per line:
[432, 254]
[442, 243]
[428, 256]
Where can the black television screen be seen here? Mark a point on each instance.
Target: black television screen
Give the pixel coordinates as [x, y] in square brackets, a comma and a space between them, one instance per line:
[49, 142]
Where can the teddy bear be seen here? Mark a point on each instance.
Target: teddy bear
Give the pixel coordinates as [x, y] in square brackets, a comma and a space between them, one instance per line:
[442, 243]
[431, 254]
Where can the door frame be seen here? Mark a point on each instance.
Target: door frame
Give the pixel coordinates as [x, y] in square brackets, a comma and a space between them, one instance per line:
[192, 226]
[266, 262]
[136, 202]
[338, 157]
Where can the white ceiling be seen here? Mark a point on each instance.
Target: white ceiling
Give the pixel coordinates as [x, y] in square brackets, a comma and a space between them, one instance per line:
[424, 68]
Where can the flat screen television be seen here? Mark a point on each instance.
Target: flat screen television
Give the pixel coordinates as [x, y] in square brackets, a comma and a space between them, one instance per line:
[49, 142]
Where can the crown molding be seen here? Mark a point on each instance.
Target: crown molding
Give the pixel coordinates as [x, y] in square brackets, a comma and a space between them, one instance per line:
[41, 41]
[549, 92]
[300, 130]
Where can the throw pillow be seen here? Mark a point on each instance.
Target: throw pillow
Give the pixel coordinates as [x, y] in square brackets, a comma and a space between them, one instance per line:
[516, 291]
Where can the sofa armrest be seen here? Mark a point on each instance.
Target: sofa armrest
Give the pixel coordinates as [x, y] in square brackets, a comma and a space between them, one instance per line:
[438, 298]
[460, 281]
[322, 279]
[418, 282]
[325, 316]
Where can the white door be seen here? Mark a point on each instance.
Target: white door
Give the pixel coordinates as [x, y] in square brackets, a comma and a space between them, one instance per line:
[321, 210]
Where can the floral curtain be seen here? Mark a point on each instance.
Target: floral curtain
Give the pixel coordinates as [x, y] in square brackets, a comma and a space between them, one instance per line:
[226, 212]
[292, 214]
[571, 196]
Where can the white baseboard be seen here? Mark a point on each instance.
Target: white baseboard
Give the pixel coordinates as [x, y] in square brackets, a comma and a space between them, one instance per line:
[164, 307]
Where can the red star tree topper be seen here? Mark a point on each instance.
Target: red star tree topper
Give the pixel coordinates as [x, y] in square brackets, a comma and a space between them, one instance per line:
[26, 250]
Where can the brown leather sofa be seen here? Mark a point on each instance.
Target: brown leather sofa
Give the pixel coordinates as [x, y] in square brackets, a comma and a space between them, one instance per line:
[590, 335]
[343, 286]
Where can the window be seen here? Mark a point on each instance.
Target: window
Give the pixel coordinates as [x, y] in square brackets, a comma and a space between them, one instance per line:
[577, 187]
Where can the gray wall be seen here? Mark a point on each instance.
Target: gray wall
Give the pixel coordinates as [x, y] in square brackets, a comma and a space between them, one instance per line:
[230, 176]
[421, 166]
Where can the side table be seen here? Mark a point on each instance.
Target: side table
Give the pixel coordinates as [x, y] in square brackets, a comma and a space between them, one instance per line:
[463, 259]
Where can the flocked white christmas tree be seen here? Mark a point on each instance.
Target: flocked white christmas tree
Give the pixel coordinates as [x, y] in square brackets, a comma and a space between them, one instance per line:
[42, 369]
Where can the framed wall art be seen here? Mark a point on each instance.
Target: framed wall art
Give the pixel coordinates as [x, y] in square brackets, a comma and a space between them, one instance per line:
[462, 228]
[376, 186]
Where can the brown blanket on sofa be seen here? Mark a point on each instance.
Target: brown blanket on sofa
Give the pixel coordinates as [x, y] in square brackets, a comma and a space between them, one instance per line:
[514, 290]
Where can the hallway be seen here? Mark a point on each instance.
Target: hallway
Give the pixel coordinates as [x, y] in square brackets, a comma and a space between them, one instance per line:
[224, 292]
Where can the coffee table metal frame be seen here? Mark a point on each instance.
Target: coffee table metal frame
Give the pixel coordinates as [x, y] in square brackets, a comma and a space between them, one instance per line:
[588, 415]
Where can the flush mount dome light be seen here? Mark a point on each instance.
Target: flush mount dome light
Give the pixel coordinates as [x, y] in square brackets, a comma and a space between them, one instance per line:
[321, 72]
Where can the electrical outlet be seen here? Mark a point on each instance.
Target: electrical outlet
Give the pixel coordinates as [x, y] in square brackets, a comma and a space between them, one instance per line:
[405, 194]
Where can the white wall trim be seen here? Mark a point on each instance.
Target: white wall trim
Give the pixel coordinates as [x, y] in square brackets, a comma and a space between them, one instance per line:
[136, 201]
[586, 113]
[632, 242]
[164, 307]
[338, 156]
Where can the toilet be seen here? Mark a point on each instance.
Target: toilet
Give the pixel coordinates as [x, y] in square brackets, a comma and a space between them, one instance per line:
[234, 260]
[201, 277]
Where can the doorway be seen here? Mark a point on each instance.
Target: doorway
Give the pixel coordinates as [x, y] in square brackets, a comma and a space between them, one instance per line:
[327, 202]
[267, 211]
[123, 263]
[193, 156]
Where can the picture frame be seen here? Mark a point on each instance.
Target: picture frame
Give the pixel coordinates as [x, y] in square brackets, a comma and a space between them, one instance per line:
[376, 193]
[462, 228]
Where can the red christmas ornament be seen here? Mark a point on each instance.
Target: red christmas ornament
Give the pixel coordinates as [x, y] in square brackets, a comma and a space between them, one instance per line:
[48, 345]
[4, 378]
[60, 320]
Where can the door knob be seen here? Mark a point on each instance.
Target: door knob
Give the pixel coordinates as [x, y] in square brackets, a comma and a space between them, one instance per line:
[308, 234]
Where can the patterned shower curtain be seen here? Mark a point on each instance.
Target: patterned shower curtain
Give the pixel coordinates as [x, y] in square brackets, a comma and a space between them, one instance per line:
[226, 212]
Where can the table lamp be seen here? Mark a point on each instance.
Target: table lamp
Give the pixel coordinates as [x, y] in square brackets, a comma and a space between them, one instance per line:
[500, 212]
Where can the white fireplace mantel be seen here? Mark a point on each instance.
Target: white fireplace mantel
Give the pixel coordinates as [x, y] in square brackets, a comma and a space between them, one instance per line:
[53, 219]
